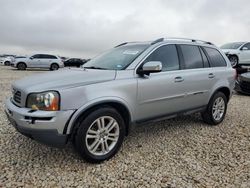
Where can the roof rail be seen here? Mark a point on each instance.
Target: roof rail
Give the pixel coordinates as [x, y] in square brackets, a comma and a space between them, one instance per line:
[157, 40]
[188, 39]
[121, 44]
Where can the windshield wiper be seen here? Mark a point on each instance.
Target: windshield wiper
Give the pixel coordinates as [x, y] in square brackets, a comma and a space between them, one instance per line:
[94, 67]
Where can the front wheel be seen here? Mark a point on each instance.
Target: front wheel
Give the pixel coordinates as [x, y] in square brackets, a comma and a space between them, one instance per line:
[21, 66]
[216, 109]
[7, 63]
[100, 135]
[234, 61]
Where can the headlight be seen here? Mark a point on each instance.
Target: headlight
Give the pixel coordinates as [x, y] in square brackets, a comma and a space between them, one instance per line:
[48, 101]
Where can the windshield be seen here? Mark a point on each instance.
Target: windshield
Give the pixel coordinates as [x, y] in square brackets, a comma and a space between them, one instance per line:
[234, 45]
[118, 58]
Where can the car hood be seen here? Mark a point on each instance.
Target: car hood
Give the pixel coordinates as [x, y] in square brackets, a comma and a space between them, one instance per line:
[245, 76]
[230, 51]
[63, 79]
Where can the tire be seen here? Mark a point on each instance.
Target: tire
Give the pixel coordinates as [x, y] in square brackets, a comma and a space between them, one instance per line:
[234, 60]
[7, 63]
[54, 67]
[21, 66]
[101, 144]
[209, 116]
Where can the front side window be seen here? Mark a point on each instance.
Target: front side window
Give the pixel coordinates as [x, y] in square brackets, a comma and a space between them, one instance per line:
[192, 56]
[118, 58]
[37, 56]
[247, 46]
[216, 59]
[167, 55]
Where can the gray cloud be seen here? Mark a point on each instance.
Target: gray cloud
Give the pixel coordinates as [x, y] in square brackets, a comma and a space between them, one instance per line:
[85, 28]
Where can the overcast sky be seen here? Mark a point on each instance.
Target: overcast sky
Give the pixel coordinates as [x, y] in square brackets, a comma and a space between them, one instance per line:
[85, 28]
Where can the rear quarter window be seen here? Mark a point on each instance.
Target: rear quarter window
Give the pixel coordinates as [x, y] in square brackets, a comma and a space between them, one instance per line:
[216, 59]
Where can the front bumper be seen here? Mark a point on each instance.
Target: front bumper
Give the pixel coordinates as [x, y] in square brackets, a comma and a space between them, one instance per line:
[44, 126]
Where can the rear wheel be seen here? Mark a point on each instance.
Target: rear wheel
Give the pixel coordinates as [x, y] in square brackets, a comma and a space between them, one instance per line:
[216, 109]
[21, 66]
[234, 60]
[100, 135]
[54, 66]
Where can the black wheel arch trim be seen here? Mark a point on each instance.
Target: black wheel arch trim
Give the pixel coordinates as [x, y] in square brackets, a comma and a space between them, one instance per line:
[84, 112]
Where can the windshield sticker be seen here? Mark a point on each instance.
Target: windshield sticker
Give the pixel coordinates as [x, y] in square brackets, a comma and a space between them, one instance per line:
[118, 66]
[130, 52]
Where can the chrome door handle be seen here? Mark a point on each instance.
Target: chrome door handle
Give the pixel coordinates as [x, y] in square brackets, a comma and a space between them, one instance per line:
[178, 79]
[211, 75]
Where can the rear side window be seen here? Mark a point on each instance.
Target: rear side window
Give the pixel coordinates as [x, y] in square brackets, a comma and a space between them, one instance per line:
[192, 56]
[167, 55]
[45, 56]
[216, 59]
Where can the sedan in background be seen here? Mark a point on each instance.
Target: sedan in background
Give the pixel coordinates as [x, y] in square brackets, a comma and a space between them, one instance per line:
[242, 84]
[74, 62]
[6, 60]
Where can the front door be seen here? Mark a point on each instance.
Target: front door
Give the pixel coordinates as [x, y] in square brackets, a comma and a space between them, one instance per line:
[161, 93]
[34, 61]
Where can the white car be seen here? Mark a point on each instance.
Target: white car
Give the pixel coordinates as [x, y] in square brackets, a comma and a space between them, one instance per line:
[238, 53]
[6, 60]
[51, 62]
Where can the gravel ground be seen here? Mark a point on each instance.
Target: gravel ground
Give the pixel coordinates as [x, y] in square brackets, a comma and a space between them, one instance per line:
[182, 152]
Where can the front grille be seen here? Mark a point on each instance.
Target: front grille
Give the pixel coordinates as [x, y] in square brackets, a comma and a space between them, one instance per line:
[17, 97]
[245, 86]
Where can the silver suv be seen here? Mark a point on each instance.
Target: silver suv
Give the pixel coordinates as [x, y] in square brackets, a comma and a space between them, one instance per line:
[133, 83]
[51, 62]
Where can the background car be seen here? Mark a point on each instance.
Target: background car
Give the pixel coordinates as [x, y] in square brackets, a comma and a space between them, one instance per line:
[6, 60]
[242, 84]
[238, 53]
[74, 62]
[51, 62]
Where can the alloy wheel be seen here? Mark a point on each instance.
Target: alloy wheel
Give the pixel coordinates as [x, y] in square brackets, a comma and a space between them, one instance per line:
[102, 135]
[218, 108]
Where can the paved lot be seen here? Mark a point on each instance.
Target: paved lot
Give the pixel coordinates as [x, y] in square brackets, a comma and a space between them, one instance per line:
[182, 152]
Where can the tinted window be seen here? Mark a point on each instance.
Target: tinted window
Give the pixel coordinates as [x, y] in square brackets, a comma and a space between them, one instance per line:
[247, 45]
[52, 57]
[192, 56]
[216, 59]
[204, 58]
[37, 56]
[167, 55]
[45, 56]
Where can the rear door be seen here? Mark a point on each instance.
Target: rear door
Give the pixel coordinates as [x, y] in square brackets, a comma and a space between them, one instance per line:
[198, 76]
[46, 60]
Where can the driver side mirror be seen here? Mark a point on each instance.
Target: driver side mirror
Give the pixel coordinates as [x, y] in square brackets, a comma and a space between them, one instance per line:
[31, 57]
[150, 67]
[244, 48]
